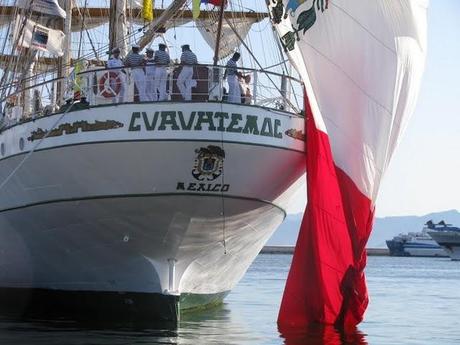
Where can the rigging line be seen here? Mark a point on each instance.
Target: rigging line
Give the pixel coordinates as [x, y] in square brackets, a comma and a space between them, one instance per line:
[96, 55]
[260, 66]
[224, 235]
[16, 59]
[104, 47]
[280, 50]
[27, 13]
[277, 64]
[82, 27]
[31, 152]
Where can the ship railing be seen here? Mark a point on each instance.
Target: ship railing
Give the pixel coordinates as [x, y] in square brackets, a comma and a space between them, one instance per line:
[102, 86]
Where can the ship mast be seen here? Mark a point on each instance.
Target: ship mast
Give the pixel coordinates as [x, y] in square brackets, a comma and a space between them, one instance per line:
[118, 26]
[66, 59]
[219, 33]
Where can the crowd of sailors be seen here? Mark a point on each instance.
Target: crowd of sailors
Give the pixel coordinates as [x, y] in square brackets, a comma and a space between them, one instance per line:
[150, 75]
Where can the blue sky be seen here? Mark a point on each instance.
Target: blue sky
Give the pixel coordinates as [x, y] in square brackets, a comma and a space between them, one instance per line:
[424, 175]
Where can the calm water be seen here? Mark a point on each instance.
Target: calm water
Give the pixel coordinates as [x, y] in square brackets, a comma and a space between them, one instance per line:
[413, 301]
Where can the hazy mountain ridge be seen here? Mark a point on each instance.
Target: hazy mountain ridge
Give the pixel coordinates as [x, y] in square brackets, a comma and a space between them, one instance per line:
[384, 228]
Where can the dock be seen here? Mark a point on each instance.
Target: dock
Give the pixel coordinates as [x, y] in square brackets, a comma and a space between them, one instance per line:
[290, 250]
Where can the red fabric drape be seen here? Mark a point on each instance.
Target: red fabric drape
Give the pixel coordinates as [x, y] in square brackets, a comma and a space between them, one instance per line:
[326, 282]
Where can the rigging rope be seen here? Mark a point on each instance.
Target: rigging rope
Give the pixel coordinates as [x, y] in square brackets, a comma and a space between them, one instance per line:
[30, 153]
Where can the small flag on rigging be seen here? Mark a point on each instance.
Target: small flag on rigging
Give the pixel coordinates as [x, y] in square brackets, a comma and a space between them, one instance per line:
[147, 10]
[196, 8]
[39, 37]
[215, 2]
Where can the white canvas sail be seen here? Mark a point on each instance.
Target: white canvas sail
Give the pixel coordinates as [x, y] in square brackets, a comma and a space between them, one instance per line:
[208, 29]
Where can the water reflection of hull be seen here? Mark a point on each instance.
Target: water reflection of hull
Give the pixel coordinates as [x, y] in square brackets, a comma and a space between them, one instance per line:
[124, 218]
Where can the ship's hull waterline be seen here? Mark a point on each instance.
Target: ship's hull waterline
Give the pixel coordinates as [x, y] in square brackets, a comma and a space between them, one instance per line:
[143, 208]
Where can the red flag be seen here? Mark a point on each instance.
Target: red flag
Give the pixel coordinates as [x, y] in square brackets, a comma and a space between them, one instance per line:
[362, 63]
[326, 282]
[214, 2]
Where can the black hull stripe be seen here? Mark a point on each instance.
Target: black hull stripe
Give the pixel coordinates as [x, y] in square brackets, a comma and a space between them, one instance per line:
[125, 196]
[88, 306]
[152, 140]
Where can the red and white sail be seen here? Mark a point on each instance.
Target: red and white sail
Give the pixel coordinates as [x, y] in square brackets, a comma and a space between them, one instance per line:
[362, 64]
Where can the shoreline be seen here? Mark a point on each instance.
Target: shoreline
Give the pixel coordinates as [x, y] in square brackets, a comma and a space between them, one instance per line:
[290, 250]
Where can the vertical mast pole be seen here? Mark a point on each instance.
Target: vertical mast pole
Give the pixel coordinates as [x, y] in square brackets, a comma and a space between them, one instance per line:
[219, 33]
[118, 26]
[67, 57]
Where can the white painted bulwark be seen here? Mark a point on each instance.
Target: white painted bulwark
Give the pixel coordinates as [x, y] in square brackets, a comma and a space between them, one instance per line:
[118, 198]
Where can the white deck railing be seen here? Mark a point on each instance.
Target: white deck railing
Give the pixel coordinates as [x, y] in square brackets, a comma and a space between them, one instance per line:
[118, 85]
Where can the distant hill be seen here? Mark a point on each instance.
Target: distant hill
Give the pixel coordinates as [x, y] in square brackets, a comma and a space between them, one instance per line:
[384, 228]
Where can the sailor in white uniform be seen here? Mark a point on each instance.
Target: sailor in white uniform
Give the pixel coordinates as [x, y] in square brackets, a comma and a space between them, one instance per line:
[151, 92]
[162, 60]
[116, 62]
[136, 62]
[184, 80]
[232, 74]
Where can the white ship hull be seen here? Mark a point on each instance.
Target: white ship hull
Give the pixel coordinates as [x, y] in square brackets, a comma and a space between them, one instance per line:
[119, 206]
[424, 251]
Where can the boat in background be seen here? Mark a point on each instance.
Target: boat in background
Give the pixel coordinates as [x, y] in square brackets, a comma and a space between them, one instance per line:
[448, 237]
[416, 244]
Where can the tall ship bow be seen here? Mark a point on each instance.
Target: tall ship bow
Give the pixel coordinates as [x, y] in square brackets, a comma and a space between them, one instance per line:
[113, 203]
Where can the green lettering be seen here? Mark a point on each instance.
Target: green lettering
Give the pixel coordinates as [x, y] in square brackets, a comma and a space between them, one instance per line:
[132, 128]
[215, 188]
[168, 118]
[150, 126]
[225, 188]
[201, 187]
[251, 125]
[234, 122]
[180, 186]
[221, 116]
[186, 126]
[278, 134]
[267, 128]
[191, 186]
[205, 117]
